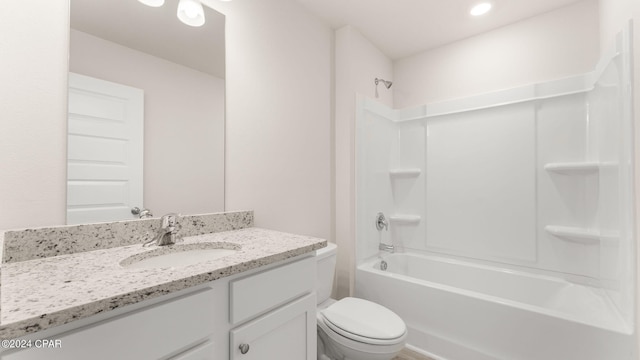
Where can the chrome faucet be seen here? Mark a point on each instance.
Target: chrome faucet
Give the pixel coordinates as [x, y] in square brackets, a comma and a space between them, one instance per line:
[381, 222]
[168, 232]
[385, 247]
[142, 214]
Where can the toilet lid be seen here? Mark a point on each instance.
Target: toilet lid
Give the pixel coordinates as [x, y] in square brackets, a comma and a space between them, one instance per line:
[365, 319]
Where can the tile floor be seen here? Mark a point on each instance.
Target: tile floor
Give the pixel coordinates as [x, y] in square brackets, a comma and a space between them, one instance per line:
[410, 355]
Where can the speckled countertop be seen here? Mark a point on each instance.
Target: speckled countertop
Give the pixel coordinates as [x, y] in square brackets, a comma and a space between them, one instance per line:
[43, 293]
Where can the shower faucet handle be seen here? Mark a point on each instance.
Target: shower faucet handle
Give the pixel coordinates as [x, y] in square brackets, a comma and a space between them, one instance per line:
[381, 222]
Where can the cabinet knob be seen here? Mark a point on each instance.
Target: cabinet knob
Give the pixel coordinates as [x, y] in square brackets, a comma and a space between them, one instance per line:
[244, 348]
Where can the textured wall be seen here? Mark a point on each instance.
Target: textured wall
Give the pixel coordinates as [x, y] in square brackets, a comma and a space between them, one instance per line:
[34, 41]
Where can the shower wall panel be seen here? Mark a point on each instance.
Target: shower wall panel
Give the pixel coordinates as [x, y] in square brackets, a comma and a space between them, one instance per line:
[610, 114]
[377, 150]
[407, 186]
[567, 199]
[480, 183]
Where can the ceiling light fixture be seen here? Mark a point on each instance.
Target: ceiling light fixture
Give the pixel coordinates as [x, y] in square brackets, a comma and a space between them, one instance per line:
[152, 3]
[190, 12]
[480, 9]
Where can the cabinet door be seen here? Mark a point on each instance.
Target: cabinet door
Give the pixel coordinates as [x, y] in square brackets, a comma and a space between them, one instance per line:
[204, 351]
[288, 333]
[147, 334]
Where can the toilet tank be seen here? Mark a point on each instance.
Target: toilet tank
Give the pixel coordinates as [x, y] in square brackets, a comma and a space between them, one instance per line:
[326, 268]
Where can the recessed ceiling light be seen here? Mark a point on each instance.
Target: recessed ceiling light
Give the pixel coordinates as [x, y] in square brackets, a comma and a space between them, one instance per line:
[480, 9]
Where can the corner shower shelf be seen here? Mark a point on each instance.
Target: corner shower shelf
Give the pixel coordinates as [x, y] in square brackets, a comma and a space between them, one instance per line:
[580, 235]
[571, 168]
[405, 219]
[413, 172]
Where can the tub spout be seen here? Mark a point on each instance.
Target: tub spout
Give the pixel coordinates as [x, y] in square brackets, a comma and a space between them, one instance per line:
[385, 247]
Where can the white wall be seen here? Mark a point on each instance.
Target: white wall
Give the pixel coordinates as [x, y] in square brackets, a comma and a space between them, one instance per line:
[278, 151]
[33, 106]
[357, 64]
[360, 62]
[183, 126]
[546, 47]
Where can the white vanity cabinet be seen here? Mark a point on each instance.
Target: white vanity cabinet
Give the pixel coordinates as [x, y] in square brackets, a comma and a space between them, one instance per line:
[204, 351]
[154, 332]
[271, 310]
[288, 333]
[281, 304]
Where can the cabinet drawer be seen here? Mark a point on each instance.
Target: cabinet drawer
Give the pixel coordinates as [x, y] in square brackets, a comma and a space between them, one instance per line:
[256, 294]
[149, 333]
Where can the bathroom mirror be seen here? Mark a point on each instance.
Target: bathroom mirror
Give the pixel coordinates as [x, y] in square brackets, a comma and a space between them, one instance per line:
[178, 71]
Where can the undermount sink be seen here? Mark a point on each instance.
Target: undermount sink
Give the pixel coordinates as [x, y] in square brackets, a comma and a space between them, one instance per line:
[180, 255]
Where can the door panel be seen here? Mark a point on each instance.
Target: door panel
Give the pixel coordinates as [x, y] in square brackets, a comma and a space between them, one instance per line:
[105, 150]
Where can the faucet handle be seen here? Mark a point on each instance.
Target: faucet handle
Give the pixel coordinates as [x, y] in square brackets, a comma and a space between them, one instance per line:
[171, 227]
[169, 220]
[381, 222]
[142, 213]
[145, 214]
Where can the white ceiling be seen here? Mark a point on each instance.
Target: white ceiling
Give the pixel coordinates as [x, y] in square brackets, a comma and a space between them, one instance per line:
[400, 28]
[155, 31]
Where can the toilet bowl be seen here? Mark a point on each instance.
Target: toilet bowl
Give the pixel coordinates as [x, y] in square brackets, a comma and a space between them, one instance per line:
[352, 328]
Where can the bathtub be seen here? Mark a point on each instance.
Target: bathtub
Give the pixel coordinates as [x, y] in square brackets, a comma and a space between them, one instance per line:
[457, 310]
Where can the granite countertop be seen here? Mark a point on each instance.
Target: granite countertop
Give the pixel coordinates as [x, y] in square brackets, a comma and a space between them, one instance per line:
[42, 293]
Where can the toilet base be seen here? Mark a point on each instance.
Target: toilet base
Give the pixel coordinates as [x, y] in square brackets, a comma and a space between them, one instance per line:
[345, 349]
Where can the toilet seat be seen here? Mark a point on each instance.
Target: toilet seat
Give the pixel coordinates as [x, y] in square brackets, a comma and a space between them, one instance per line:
[364, 321]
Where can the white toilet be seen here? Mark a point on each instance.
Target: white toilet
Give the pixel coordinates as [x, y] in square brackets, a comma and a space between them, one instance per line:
[351, 328]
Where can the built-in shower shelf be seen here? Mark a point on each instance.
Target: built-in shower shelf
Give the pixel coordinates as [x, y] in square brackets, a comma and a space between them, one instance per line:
[413, 172]
[405, 219]
[580, 235]
[571, 168]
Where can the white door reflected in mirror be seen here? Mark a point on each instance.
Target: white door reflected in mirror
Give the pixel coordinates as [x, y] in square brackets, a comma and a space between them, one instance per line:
[105, 150]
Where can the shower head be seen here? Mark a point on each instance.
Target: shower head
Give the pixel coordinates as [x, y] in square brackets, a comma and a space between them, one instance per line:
[386, 83]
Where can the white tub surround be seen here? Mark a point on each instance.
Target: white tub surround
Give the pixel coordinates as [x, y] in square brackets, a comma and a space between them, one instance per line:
[45, 292]
[535, 181]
